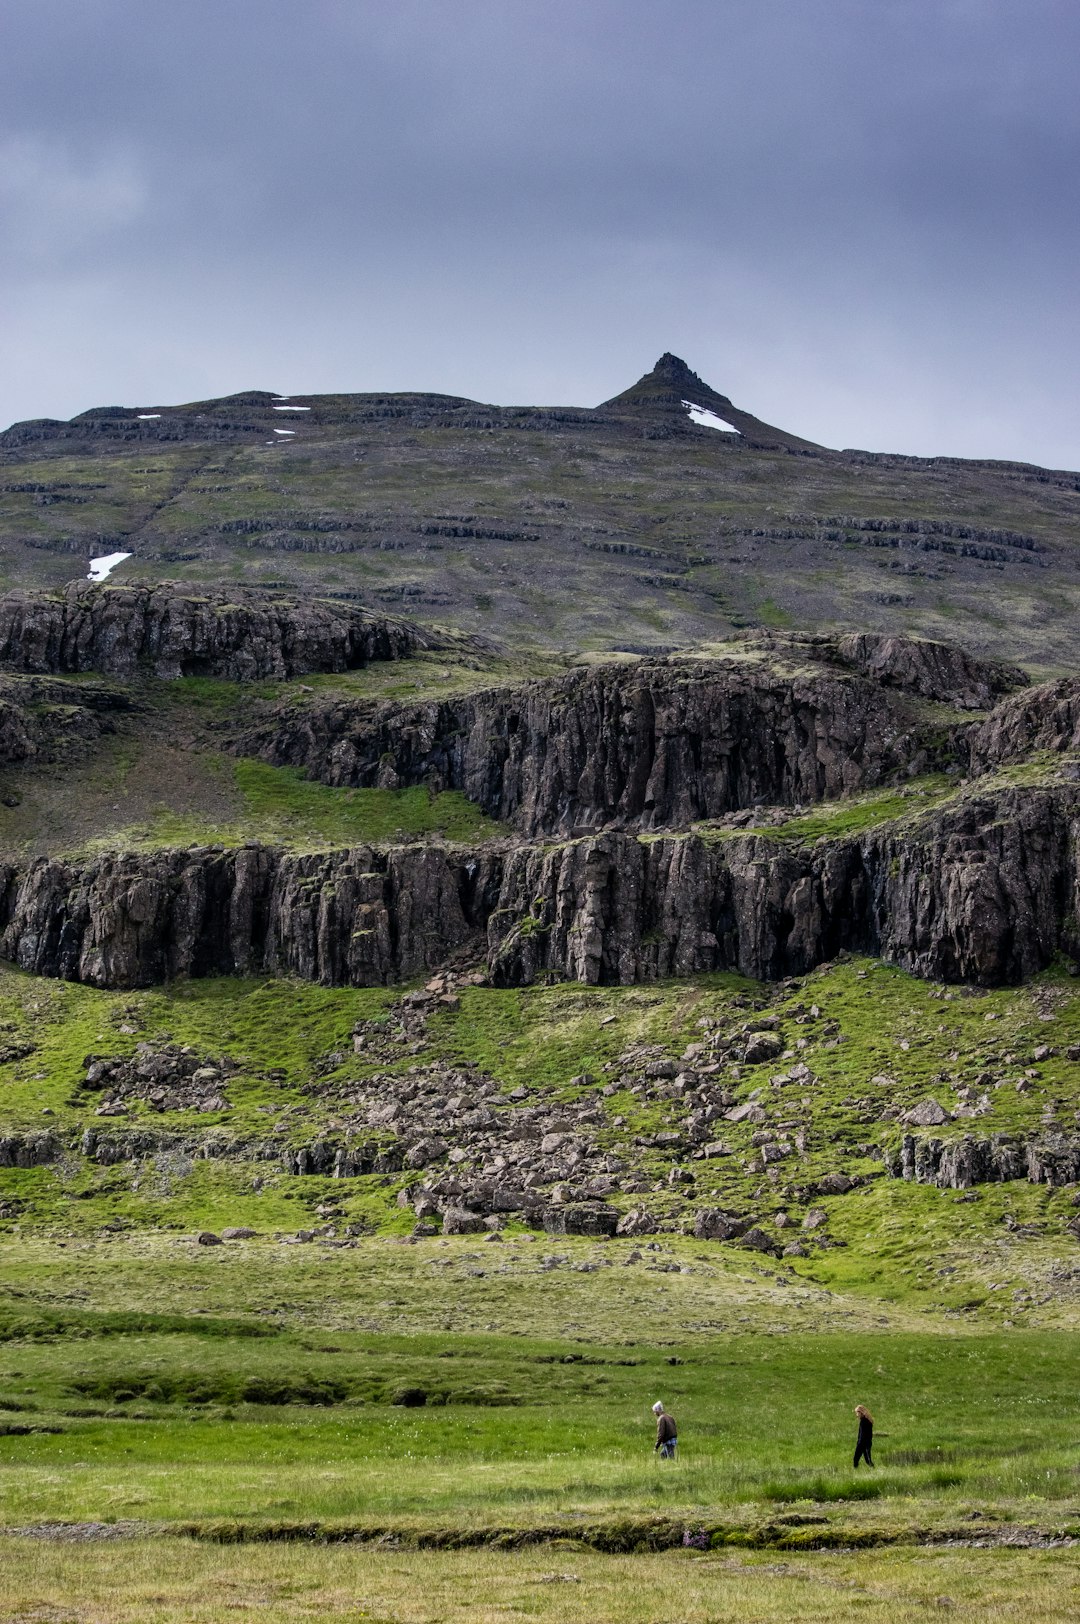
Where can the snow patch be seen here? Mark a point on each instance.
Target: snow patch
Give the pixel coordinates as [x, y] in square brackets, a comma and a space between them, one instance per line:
[292, 408]
[101, 567]
[146, 417]
[708, 420]
[288, 432]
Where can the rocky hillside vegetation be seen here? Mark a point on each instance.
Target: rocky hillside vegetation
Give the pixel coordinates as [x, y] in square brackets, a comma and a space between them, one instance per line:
[404, 857]
[569, 824]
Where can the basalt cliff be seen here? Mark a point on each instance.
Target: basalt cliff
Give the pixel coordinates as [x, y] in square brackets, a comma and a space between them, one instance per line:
[765, 809]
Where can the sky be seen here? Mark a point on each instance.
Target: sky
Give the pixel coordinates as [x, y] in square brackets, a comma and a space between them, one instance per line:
[859, 221]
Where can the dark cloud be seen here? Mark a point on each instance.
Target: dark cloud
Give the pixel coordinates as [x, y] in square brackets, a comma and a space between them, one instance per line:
[858, 221]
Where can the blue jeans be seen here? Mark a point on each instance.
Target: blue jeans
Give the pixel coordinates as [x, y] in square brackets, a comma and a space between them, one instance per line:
[667, 1449]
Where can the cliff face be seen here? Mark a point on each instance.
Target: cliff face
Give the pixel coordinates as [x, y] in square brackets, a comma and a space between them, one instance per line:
[1052, 1158]
[602, 771]
[657, 745]
[983, 892]
[979, 893]
[357, 918]
[1043, 718]
[164, 631]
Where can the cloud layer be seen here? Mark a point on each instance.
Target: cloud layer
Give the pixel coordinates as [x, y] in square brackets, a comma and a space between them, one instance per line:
[860, 222]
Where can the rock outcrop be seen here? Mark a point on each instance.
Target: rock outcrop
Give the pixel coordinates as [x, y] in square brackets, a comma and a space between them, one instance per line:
[957, 1164]
[934, 670]
[1046, 718]
[170, 631]
[354, 918]
[657, 745]
[42, 719]
[983, 890]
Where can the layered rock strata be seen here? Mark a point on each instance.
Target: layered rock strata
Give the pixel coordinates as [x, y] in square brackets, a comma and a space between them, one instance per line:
[984, 890]
[167, 631]
[657, 745]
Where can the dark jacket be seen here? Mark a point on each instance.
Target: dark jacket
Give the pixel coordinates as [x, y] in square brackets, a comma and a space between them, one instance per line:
[666, 1430]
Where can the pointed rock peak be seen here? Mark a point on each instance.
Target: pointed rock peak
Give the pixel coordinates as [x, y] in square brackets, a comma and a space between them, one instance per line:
[668, 387]
[672, 394]
[674, 372]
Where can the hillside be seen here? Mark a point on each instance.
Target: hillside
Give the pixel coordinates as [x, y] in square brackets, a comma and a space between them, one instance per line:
[634, 525]
[359, 803]
[497, 906]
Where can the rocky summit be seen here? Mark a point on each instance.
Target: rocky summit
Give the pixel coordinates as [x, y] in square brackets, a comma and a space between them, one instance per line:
[430, 722]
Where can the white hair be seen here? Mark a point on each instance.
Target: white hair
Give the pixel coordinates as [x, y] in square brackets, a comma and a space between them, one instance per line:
[657, 1408]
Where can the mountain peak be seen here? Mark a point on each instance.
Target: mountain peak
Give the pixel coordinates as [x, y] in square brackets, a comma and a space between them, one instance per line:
[673, 367]
[672, 392]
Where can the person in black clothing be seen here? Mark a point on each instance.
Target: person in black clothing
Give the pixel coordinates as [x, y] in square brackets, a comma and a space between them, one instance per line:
[666, 1432]
[865, 1441]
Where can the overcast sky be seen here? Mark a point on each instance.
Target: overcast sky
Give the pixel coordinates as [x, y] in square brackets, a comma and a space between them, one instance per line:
[859, 220]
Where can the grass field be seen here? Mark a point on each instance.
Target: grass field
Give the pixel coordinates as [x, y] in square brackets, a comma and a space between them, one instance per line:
[264, 1384]
[163, 1400]
[212, 1435]
[178, 1582]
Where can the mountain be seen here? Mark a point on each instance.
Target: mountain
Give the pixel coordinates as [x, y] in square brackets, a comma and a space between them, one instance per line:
[632, 824]
[663, 519]
[670, 393]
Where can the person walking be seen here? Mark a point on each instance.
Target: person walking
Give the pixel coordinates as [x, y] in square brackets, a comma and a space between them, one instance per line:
[865, 1441]
[666, 1432]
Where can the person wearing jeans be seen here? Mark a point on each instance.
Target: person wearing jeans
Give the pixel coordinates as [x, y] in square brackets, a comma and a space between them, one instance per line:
[666, 1432]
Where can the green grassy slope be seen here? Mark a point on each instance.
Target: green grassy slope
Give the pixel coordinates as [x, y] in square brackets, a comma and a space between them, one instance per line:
[878, 1043]
[162, 777]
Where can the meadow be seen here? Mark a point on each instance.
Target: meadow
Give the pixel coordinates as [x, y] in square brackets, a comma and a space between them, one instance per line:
[373, 1424]
[187, 1435]
[181, 1582]
[193, 1402]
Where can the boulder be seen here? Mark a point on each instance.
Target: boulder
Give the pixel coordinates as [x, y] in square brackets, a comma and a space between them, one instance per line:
[928, 1113]
[581, 1218]
[762, 1046]
[462, 1221]
[750, 1111]
[757, 1240]
[505, 1198]
[710, 1224]
[424, 1152]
